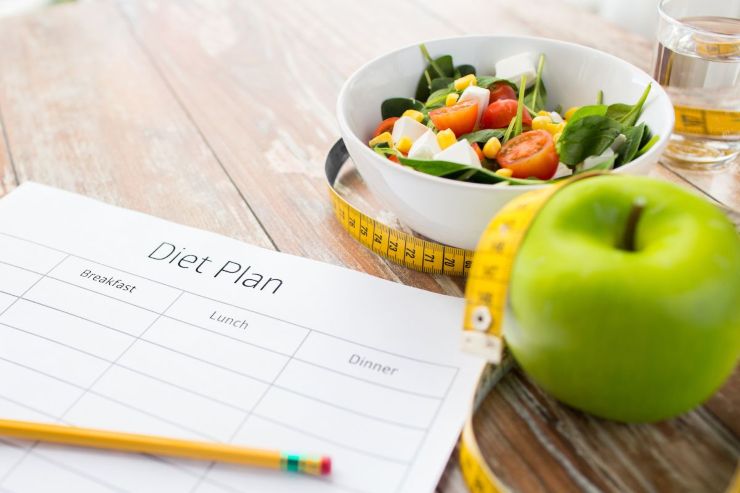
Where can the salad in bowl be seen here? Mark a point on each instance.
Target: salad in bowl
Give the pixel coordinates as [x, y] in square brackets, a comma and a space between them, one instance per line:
[501, 129]
[424, 125]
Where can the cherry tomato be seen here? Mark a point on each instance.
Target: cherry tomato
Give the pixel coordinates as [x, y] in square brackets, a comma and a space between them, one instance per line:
[500, 113]
[385, 126]
[460, 117]
[477, 150]
[531, 154]
[501, 90]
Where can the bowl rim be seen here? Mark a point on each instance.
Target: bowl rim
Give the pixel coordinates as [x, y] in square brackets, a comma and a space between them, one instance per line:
[345, 130]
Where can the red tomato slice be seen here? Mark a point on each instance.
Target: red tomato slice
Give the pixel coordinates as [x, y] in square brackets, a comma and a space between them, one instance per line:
[477, 150]
[460, 117]
[393, 158]
[531, 154]
[385, 126]
[500, 113]
[501, 90]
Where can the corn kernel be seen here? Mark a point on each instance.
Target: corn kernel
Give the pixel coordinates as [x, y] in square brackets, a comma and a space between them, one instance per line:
[451, 98]
[446, 138]
[404, 144]
[465, 81]
[543, 113]
[385, 137]
[541, 122]
[571, 110]
[492, 147]
[556, 137]
[416, 115]
[554, 128]
[504, 172]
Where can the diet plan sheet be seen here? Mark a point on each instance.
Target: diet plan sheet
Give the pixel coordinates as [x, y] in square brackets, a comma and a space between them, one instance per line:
[117, 320]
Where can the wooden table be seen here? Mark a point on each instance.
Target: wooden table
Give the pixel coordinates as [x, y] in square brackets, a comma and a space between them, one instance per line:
[218, 114]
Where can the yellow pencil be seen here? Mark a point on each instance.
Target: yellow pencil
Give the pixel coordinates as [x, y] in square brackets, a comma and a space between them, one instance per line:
[155, 445]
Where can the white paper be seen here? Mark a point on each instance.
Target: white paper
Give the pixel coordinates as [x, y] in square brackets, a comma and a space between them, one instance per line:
[290, 354]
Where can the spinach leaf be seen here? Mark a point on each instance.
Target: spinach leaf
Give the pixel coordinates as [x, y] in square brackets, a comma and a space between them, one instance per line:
[535, 97]
[629, 149]
[436, 68]
[646, 147]
[463, 70]
[437, 98]
[396, 106]
[442, 83]
[588, 136]
[482, 136]
[627, 114]
[461, 172]
[583, 111]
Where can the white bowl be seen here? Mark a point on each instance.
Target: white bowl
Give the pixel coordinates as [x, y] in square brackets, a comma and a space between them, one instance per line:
[453, 212]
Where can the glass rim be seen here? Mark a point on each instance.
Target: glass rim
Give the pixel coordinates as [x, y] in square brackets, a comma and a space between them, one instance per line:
[677, 22]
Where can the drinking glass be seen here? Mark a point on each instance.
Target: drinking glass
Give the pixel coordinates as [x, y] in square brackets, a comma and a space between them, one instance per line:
[698, 64]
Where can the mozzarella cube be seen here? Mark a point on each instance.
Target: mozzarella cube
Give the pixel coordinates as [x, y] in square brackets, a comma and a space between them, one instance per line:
[479, 95]
[592, 161]
[618, 142]
[461, 153]
[407, 127]
[425, 147]
[513, 67]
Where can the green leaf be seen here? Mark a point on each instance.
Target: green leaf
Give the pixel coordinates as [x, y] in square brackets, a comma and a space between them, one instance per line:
[629, 149]
[627, 114]
[482, 136]
[584, 111]
[600, 97]
[461, 172]
[535, 97]
[588, 136]
[650, 143]
[396, 106]
[515, 125]
[464, 70]
[436, 68]
[438, 97]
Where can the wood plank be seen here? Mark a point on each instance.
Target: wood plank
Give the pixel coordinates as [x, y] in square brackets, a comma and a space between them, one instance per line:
[84, 110]
[263, 92]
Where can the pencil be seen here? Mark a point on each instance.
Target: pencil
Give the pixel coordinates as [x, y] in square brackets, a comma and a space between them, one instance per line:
[156, 445]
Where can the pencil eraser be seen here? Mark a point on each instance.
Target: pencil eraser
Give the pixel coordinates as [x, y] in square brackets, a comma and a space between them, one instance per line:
[325, 465]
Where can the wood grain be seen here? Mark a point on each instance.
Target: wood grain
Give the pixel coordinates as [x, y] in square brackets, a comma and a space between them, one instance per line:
[84, 110]
[218, 114]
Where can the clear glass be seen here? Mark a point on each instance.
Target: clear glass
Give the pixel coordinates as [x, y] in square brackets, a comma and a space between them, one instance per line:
[698, 63]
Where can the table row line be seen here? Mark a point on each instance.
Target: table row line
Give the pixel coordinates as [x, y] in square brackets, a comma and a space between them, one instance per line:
[278, 423]
[100, 326]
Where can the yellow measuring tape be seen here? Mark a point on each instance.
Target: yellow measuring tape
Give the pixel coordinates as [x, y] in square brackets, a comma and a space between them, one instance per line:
[488, 269]
[701, 121]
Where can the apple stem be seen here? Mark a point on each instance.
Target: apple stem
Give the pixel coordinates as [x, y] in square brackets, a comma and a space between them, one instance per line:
[628, 238]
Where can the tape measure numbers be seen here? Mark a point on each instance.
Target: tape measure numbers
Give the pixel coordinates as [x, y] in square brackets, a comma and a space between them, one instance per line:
[395, 245]
[701, 121]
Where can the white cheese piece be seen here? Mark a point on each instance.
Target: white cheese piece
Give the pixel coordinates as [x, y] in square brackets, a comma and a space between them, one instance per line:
[563, 170]
[555, 117]
[461, 153]
[618, 142]
[477, 94]
[592, 161]
[513, 67]
[425, 147]
[408, 127]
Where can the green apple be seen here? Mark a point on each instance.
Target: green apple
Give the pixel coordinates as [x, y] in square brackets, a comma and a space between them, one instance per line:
[626, 298]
